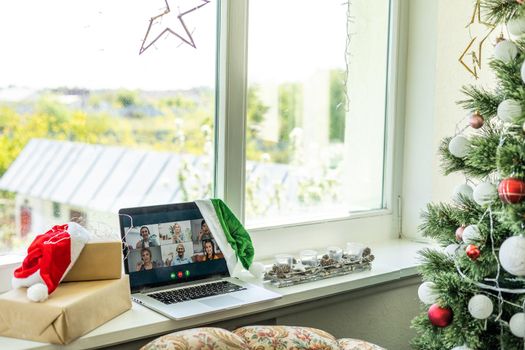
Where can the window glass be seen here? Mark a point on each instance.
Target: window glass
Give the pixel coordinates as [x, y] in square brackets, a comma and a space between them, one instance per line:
[88, 125]
[310, 154]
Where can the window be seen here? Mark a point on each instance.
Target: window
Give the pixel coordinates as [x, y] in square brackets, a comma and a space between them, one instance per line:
[95, 125]
[256, 113]
[309, 153]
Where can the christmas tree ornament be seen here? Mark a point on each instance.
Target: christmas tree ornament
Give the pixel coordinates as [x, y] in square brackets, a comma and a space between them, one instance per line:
[516, 26]
[511, 190]
[517, 324]
[440, 316]
[452, 249]
[475, 45]
[463, 190]
[505, 51]
[427, 292]
[512, 255]
[459, 146]
[471, 234]
[49, 258]
[509, 110]
[473, 252]
[484, 193]
[178, 28]
[462, 347]
[480, 306]
[459, 233]
[476, 120]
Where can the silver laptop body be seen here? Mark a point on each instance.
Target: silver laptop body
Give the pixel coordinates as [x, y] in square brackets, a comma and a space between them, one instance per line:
[163, 257]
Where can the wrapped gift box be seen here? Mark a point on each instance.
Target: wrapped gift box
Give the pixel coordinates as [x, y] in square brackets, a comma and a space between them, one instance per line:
[98, 261]
[74, 309]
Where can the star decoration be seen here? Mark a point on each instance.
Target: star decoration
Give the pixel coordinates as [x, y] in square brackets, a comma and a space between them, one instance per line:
[473, 49]
[156, 30]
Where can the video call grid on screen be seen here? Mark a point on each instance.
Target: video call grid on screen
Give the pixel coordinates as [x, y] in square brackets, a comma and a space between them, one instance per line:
[168, 243]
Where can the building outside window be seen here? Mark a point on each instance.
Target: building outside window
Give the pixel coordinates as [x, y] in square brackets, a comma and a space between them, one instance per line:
[88, 125]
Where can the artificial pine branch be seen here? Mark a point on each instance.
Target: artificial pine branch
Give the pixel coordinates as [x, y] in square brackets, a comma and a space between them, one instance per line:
[480, 100]
[498, 11]
[510, 84]
[481, 159]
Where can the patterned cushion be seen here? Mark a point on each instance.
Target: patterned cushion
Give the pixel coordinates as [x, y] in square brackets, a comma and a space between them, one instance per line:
[286, 338]
[354, 344]
[206, 338]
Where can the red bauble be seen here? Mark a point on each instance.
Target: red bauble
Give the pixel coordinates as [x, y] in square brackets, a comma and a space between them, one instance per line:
[472, 252]
[476, 120]
[459, 233]
[511, 190]
[440, 316]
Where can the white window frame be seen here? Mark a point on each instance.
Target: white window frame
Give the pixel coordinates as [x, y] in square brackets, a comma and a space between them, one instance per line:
[370, 226]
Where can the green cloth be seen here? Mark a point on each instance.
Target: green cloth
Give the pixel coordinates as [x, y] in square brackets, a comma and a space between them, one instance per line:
[235, 233]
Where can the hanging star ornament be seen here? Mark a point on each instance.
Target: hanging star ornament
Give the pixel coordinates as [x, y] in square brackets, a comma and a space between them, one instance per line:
[475, 46]
[176, 26]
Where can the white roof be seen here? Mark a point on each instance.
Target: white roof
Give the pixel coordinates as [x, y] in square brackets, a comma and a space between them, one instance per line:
[104, 178]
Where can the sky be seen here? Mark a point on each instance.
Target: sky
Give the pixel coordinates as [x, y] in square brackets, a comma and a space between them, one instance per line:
[95, 43]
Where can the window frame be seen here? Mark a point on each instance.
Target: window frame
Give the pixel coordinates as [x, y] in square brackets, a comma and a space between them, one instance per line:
[231, 124]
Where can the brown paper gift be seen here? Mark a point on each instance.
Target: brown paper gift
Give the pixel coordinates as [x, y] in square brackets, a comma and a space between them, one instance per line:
[74, 309]
[97, 261]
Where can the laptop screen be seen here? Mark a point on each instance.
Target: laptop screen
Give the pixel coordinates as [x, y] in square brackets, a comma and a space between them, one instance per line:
[168, 244]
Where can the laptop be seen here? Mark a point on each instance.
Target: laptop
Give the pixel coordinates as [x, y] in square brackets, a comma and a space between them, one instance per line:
[176, 268]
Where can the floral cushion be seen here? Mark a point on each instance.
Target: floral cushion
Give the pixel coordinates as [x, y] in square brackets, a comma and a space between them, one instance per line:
[205, 338]
[355, 344]
[286, 338]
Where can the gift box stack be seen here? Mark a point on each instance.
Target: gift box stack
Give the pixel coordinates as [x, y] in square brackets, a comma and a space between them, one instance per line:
[68, 284]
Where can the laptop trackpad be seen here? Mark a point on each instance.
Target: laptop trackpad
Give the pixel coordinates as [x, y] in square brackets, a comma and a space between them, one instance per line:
[221, 301]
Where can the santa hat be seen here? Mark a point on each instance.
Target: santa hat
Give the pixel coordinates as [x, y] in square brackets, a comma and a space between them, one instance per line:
[231, 237]
[49, 258]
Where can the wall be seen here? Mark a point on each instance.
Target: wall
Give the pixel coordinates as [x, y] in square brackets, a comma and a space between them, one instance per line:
[380, 314]
[437, 37]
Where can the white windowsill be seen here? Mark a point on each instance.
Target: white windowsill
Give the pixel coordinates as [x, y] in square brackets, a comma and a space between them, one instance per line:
[395, 260]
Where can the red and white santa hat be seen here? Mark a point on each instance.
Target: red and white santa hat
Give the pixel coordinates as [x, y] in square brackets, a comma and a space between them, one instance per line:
[49, 258]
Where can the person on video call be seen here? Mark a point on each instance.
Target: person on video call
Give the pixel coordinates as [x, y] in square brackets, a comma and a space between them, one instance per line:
[205, 232]
[145, 262]
[180, 259]
[146, 239]
[177, 233]
[209, 250]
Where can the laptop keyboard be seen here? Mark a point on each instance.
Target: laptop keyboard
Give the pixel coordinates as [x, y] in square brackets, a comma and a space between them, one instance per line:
[197, 292]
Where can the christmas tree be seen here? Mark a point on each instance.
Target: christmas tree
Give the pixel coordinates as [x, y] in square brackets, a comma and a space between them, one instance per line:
[473, 294]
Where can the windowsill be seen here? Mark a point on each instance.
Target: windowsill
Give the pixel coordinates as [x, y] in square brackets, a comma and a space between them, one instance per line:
[395, 260]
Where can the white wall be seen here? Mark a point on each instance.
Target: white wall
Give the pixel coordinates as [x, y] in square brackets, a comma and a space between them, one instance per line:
[437, 37]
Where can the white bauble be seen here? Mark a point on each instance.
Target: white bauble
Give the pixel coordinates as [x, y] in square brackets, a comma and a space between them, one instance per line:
[462, 347]
[523, 71]
[452, 249]
[516, 26]
[471, 234]
[512, 255]
[484, 193]
[459, 146]
[509, 110]
[480, 306]
[505, 51]
[427, 293]
[464, 190]
[517, 324]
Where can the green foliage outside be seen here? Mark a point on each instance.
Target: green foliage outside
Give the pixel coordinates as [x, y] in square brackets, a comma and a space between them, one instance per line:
[180, 122]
